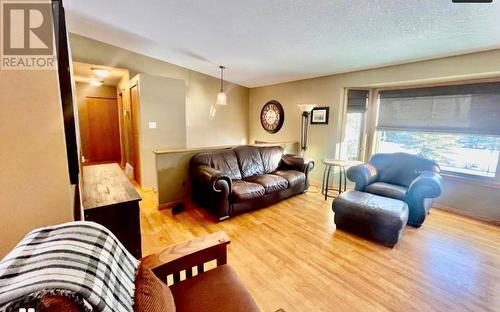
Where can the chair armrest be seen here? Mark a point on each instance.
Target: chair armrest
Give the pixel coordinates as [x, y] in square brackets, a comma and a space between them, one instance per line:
[187, 255]
[426, 185]
[211, 178]
[362, 175]
[297, 162]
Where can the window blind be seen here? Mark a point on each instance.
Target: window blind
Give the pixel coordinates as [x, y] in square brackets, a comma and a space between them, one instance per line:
[356, 101]
[465, 109]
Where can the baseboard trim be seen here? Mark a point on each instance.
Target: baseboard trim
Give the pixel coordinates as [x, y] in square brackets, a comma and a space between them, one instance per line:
[169, 204]
[467, 214]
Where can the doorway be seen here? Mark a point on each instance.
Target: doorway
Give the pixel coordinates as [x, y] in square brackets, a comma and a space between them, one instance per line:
[101, 141]
[104, 112]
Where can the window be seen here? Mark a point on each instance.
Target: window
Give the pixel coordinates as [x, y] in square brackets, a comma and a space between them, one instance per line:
[457, 126]
[353, 145]
[353, 132]
[462, 154]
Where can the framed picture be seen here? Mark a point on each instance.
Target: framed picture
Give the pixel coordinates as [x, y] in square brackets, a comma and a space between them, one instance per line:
[319, 116]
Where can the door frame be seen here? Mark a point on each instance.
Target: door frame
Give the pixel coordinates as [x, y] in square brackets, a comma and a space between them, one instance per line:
[135, 122]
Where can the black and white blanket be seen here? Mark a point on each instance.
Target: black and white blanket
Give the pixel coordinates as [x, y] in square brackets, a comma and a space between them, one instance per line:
[81, 260]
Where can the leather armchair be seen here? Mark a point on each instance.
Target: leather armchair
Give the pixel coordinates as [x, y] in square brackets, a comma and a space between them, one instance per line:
[402, 176]
[362, 175]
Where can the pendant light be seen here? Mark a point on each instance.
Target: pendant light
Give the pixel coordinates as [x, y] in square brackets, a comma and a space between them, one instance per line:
[221, 97]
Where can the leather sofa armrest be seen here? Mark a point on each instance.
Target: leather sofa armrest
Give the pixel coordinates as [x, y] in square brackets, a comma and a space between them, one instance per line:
[186, 255]
[362, 175]
[211, 178]
[426, 185]
[297, 162]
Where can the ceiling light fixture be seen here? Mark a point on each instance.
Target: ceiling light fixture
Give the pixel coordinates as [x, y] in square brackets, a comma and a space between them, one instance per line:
[101, 72]
[221, 97]
[96, 83]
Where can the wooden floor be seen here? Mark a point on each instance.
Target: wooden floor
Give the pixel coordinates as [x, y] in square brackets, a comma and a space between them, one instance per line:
[290, 257]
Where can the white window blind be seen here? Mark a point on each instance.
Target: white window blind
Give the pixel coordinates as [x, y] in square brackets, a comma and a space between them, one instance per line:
[466, 109]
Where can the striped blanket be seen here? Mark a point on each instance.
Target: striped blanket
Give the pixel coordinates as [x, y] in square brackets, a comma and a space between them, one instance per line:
[80, 260]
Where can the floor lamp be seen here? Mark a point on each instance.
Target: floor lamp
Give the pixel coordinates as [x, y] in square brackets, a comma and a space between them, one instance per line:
[304, 130]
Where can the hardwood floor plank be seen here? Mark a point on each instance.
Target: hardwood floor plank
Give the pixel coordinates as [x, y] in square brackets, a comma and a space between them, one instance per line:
[291, 257]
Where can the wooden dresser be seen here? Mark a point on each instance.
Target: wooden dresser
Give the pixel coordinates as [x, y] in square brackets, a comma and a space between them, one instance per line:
[110, 199]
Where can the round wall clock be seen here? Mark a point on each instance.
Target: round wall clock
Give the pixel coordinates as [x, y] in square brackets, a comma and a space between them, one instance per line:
[272, 116]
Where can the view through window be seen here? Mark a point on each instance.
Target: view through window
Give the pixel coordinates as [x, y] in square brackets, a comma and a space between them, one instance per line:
[464, 154]
[354, 128]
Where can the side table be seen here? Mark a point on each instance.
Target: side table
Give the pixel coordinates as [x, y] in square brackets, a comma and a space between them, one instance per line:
[332, 163]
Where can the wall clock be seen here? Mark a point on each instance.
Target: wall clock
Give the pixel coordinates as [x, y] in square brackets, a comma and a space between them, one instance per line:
[272, 116]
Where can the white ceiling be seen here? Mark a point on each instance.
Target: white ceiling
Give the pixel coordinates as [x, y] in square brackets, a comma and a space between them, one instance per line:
[264, 42]
[82, 72]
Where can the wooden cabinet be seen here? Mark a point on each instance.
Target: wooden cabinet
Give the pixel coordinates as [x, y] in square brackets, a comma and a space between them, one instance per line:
[111, 200]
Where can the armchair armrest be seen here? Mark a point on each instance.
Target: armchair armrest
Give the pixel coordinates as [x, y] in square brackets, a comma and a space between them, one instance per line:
[362, 175]
[187, 255]
[426, 185]
[211, 178]
[297, 162]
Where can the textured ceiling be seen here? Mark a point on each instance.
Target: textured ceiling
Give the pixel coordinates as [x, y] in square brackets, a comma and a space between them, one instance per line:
[264, 42]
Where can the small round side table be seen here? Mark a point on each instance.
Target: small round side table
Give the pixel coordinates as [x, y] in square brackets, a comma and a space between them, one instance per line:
[332, 163]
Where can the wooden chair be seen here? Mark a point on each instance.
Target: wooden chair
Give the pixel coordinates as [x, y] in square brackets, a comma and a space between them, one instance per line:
[217, 289]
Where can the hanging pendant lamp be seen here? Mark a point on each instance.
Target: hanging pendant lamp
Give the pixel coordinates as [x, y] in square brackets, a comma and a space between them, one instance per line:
[221, 97]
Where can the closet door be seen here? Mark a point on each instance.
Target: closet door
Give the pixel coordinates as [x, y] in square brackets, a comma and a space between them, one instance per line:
[103, 132]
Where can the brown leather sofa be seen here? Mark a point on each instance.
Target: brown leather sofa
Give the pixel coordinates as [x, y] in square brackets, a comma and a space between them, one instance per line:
[235, 180]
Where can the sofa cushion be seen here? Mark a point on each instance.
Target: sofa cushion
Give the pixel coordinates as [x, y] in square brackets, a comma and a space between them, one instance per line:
[293, 177]
[387, 190]
[218, 289]
[271, 157]
[151, 294]
[249, 160]
[270, 182]
[224, 160]
[243, 190]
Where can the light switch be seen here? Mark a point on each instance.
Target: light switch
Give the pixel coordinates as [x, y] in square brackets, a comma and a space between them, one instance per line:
[152, 125]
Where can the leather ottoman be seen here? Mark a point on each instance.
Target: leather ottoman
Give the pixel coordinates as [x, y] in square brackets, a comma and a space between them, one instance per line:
[377, 217]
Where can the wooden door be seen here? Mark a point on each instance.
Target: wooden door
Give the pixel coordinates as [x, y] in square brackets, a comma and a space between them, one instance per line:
[103, 132]
[135, 122]
[123, 130]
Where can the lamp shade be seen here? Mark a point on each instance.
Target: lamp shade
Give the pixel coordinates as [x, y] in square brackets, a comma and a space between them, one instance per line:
[221, 99]
[307, 107]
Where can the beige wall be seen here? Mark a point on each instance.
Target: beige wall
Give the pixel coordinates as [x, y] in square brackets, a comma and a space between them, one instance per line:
[162, 100]
[34, 183]
[329, 91]
[202, 128]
